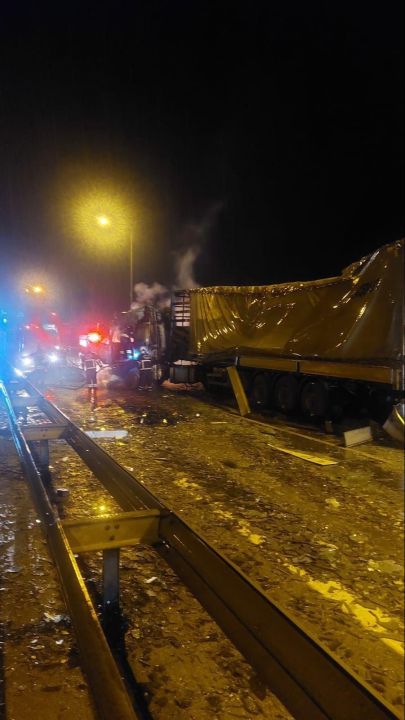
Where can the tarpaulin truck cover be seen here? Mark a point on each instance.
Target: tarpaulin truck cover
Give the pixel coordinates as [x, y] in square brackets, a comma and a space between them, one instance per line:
[357, 316]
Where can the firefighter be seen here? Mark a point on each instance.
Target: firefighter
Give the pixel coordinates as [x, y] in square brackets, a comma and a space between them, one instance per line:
[90, 363]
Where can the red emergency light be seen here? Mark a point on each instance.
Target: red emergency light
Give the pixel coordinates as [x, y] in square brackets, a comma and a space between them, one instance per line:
[94, 337]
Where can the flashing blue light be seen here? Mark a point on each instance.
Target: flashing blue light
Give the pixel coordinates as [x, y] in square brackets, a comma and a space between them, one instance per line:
[136, 354]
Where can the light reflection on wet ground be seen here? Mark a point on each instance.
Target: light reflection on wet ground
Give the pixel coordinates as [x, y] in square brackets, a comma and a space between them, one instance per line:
[324, 541]
[40, 673]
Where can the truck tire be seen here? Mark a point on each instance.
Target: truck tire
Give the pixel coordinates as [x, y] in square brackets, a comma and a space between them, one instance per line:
[132, 379]
[286, 393]
[380, 403]
[314, 398]
[260, 391]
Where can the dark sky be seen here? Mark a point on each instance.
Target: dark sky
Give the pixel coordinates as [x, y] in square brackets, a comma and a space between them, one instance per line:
[270, 133]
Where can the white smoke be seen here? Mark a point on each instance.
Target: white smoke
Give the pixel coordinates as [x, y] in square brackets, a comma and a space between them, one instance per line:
[193, 237]
[155, 294]
[184, 266]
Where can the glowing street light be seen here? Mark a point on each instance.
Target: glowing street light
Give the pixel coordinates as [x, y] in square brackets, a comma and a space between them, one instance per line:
[35, 289]
[104, 220]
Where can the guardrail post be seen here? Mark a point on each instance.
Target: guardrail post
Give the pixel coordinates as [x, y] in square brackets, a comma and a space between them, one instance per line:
[40, 451]
[111, 580]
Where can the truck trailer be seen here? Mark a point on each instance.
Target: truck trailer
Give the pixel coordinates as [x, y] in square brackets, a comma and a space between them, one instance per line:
[317, 347]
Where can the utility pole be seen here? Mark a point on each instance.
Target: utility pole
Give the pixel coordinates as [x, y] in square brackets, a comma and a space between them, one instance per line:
[131, 269]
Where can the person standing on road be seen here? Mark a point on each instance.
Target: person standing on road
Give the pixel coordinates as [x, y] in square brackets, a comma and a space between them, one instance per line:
[90, 368]
[90, 362]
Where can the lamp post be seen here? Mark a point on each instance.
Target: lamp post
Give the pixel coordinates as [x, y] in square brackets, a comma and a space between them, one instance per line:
[131, 268]
[104, 221]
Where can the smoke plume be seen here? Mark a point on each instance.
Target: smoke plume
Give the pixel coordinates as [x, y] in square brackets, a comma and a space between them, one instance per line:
[156, 294]
[193, 237]
[184, 265]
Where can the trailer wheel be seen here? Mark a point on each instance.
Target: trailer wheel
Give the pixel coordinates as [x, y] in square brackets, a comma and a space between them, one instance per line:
[132, 379]
[260, 391]
[315, 398]
[286, 393]
[380, 403]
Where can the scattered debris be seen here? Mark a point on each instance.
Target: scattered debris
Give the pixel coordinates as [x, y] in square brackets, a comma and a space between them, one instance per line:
[57, 618]
[305, 456]
[156, 417]
[332, 502]
[256, 539]
[183, 386]
[107, 434]
[357, 436]
[386, 566]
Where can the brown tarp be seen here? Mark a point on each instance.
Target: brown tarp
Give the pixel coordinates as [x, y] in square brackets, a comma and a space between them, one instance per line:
[357, 316]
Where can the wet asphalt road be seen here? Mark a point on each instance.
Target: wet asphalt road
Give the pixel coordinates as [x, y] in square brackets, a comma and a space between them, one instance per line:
[325, 541]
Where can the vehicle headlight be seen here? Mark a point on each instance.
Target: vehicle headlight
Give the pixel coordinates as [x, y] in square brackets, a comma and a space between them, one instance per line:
[53, 357]
[27, 361]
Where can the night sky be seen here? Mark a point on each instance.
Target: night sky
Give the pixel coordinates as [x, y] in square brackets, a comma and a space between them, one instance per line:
[268, 134]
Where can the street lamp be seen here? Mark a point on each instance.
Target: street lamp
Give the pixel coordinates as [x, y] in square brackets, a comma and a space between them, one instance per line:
[103, 220]
[34, 289]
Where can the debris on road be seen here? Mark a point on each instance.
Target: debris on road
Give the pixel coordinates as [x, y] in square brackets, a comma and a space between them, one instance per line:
[56, 618]
[107, 434]
[305, 456]
[333, 503]
[357, 436]
[168, 385]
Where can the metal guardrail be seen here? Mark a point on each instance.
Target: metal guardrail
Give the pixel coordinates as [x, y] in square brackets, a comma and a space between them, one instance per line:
[107, 687]
[310, 681]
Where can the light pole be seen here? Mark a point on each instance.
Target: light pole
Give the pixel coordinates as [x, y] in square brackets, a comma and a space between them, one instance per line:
[131, 268]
